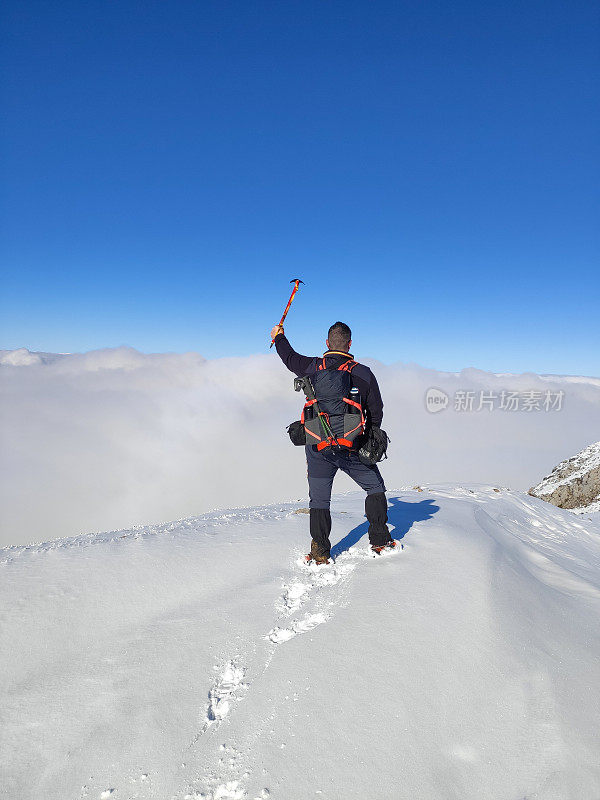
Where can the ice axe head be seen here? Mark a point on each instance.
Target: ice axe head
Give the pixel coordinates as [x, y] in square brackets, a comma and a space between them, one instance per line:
[296, 280]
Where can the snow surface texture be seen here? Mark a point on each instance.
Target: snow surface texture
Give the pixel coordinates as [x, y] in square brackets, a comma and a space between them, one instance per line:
[574, 483]
[204, 659]
[114, 438]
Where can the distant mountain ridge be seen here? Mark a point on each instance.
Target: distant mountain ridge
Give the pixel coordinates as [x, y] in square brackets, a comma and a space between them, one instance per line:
[22, 357]
[574, 483]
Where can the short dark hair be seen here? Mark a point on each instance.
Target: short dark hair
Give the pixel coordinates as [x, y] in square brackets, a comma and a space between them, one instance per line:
[339, 336]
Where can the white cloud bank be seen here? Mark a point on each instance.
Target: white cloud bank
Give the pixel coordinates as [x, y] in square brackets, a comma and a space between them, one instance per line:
[113, 438]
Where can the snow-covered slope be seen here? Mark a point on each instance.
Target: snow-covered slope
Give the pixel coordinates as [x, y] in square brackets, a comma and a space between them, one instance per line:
[201, 659]
[574, 483]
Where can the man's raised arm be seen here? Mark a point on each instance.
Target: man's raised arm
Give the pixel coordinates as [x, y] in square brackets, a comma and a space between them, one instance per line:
[296, 363]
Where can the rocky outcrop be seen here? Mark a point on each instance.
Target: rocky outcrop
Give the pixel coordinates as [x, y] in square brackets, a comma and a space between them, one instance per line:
[574, 483]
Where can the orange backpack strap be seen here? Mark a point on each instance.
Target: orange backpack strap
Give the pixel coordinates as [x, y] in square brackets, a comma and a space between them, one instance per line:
[347, 366]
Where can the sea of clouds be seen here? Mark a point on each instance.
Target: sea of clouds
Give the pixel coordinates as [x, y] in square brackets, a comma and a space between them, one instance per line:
[112, 438]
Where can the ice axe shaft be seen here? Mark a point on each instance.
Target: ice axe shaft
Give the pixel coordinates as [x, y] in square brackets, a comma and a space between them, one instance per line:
[296, 282]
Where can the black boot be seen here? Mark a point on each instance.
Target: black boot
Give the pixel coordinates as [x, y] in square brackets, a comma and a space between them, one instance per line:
[376, 513]
[320, 528]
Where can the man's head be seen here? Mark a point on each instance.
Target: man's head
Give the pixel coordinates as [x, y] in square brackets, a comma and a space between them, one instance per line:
[339, 337]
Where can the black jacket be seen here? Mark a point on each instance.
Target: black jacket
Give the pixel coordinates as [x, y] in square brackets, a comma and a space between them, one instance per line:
[362, 377]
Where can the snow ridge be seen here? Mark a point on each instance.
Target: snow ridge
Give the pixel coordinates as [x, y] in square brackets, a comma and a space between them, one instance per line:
[205, 660]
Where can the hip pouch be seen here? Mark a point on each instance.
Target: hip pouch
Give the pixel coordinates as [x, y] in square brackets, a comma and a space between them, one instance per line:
[374, 449]
[297, 433]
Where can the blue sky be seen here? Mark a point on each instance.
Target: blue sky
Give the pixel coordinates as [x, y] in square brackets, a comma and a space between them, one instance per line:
[430, 169]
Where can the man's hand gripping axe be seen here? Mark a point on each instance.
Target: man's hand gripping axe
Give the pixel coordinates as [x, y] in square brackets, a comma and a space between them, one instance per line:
[297, 283]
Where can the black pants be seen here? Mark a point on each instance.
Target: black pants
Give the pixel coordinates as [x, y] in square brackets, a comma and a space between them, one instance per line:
[322, 468]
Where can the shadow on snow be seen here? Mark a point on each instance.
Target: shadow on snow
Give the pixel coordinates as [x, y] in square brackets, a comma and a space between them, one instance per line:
[401, 515]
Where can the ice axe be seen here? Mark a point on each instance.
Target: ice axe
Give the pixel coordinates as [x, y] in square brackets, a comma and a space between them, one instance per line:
[297, 283]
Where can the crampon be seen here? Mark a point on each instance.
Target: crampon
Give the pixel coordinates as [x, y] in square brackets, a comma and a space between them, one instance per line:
[320, 562]
[387, 547]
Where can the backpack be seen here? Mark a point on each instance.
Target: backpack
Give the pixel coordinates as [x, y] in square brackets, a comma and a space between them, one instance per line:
[333, 415]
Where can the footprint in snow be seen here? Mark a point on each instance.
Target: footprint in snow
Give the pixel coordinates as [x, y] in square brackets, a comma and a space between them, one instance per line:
[326, 574]
[293, 596]
[225, 791]
[229, 682]
[279, 635]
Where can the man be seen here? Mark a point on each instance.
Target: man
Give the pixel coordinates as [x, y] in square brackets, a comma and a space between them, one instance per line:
[323, 465]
